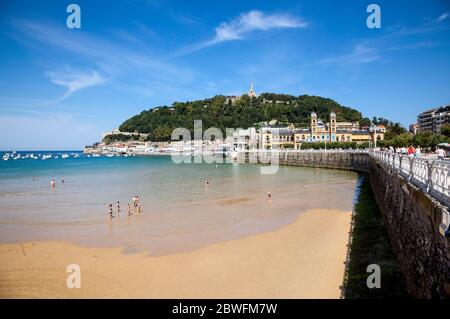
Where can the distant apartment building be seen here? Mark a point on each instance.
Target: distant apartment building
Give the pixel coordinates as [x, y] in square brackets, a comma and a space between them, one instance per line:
[244, 140]
[432, 120]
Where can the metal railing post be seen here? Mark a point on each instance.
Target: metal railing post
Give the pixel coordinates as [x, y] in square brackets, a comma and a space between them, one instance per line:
[429, 180]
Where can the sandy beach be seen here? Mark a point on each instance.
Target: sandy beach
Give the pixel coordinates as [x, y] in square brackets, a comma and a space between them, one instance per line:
[301, 260]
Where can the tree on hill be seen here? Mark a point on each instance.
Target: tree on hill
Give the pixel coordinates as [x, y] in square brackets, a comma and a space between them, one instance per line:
[245, 112]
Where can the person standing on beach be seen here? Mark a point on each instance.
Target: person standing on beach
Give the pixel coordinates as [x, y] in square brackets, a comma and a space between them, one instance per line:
[269, 196]
[62, 180]
[110, 211]
[129, 210]
[134, 201]
[118, 207]
[138, 207]
[52, 183]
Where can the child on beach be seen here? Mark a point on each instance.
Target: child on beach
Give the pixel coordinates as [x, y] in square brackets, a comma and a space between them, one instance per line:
[110, 211]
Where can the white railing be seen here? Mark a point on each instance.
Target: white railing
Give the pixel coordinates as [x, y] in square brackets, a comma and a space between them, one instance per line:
[432, 176]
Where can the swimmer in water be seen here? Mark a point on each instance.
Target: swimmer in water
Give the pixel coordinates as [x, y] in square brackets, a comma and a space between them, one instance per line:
[110, 211]
[138, 208]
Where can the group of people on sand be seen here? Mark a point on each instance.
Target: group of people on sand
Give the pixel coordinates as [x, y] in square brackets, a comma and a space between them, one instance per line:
[136, 203]
[53, 183]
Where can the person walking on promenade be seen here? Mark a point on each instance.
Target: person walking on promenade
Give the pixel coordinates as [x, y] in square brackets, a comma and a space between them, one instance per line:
[440, 153]
[418, 152]
[411, 150]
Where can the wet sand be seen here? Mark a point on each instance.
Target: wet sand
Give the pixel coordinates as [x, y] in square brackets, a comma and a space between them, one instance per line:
[304, 259]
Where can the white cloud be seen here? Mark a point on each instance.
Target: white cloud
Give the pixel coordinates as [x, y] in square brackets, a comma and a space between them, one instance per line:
[246, 23]
[443, 16]
[112, 58]
[75, 81]
[252, 21]
[359, 55]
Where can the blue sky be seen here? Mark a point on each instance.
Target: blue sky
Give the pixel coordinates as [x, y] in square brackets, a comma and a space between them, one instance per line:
[61, 88]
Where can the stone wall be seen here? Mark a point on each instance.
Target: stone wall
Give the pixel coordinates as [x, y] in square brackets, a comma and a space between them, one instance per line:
[412, 217]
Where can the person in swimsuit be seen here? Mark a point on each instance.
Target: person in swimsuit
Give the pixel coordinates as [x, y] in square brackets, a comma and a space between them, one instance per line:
[269, 196]
[129, 210]
[52, 183]
[118, 207]
[110, 211]
[138, 208]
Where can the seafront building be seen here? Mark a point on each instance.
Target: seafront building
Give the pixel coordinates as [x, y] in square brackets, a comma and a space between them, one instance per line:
[267, 137]
[433, 119]
[332, 131]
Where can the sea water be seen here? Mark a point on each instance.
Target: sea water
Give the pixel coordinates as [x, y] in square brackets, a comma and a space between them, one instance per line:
[180, 212]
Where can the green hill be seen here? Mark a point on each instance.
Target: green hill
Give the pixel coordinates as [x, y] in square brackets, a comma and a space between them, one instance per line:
[220, 112]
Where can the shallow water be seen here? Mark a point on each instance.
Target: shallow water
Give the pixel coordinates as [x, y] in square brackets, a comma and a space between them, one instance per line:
[179, 212]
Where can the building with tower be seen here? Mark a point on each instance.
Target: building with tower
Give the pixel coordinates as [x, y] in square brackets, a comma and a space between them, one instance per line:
[334, 131]
[251, 93]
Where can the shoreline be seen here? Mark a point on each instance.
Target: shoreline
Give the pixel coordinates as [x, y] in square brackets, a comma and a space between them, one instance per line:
[303, 259]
